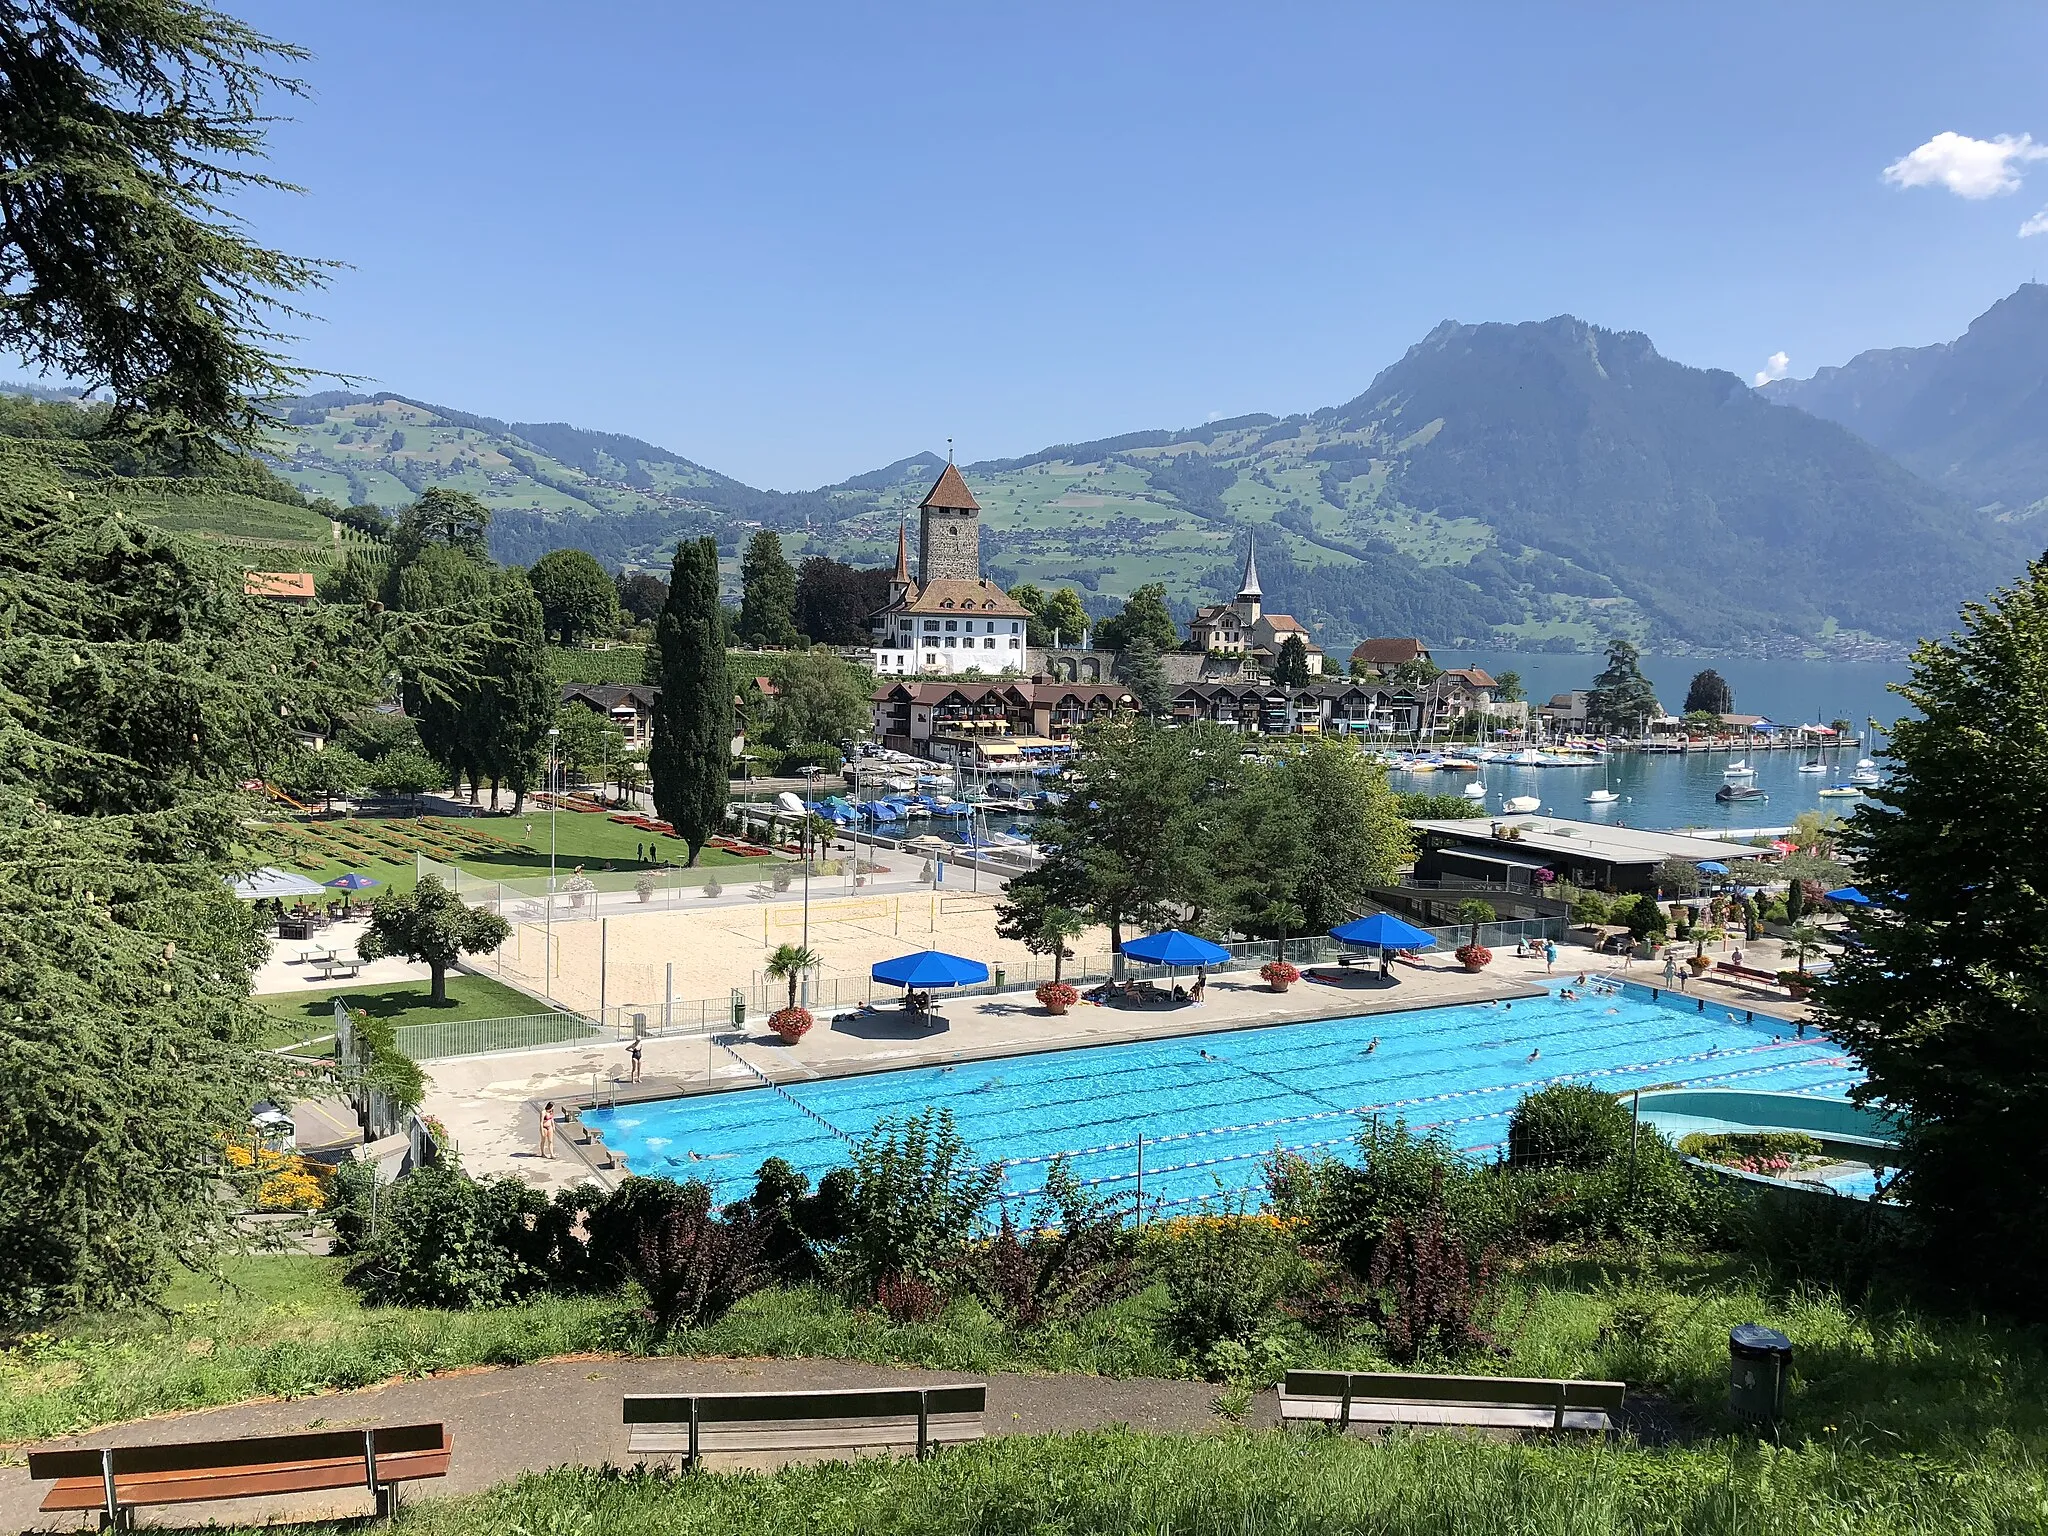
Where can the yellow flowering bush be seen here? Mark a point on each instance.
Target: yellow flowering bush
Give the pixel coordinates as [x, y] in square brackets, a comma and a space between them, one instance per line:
[289, 1181]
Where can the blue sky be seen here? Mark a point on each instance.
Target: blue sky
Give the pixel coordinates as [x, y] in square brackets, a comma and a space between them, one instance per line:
[796, 242]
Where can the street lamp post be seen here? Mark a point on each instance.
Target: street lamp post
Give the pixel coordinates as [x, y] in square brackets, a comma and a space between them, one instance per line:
[810, 774]
[547, 959]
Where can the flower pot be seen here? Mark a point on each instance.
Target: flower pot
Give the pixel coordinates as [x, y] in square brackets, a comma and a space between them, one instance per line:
[1280, 986]
[1700, 964]
[1056, 1009]
[792, 1024]
[1056, 997]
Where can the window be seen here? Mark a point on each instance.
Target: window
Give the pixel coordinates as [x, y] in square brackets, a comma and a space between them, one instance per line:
[931, 623]
[949, 642]
[1013, 644]
[970, 626]
[989, 644]
[1013, 627]
[952, 623]
[930, 660]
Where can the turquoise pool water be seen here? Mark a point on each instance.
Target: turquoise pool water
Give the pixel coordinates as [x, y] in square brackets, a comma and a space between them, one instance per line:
[1210, 1107]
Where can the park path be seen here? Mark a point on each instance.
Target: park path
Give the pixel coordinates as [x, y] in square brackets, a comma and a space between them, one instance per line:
[567, 1412]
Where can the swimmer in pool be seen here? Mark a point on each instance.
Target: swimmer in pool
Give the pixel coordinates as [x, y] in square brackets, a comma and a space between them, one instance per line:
[1372, 1045]
[1535, 1053]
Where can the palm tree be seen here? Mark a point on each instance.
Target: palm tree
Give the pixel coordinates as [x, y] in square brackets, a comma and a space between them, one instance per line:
[788, 962]
[1283, 916]
[1475, 912]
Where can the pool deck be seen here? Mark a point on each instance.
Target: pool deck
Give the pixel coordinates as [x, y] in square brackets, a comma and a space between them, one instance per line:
[490, 1103]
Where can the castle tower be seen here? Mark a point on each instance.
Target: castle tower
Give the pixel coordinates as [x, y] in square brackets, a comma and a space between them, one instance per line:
[899, 579]
[1249, 597]
[949, 533]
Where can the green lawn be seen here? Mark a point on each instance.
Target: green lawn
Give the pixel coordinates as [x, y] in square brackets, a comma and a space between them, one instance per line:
[305, 1015]
[581, 838]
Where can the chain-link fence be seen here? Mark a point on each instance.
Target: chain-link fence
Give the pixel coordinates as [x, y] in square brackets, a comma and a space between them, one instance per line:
[479, 1037]
[581, 894]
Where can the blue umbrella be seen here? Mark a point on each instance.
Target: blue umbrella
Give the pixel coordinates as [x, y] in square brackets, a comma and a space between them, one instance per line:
[930, 968]
[1175, 948]
[1851, 895]
[1383, 930]
[1712, 867]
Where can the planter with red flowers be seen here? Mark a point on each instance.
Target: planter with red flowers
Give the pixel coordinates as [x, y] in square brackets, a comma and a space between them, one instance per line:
[1057, 996]
[1474, 957]
[792, 1024]
[1279, 974]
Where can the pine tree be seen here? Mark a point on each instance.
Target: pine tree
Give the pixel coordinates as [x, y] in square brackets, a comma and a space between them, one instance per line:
[767, 593]
[1290, 667]
[1940, 996]
[1621, 698]
[1144, 673]
[692, 753]
[514, 703]
[1709, 693]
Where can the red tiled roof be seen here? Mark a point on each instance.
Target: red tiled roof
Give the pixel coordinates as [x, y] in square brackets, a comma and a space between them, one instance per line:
[1388, 653]
[950, 491]
[1474, 677]
[957, 595]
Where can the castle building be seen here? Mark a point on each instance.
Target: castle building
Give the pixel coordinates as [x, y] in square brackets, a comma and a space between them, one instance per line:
[951, 619]
[1243, 627]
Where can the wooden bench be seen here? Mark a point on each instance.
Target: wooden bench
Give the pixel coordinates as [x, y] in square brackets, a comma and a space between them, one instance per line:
[117, 1480]
[836, 1425]
[1376, 1398]
[1747, 973]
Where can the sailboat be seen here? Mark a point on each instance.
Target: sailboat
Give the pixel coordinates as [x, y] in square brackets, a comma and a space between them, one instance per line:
[1816, 766]
[1866, 773]
[1738, 770]
[1604, 795]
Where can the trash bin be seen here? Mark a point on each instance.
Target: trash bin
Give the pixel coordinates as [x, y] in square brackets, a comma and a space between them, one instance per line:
[999, 978]
[739, 1008]
[639, 1026]
[1759, 1365]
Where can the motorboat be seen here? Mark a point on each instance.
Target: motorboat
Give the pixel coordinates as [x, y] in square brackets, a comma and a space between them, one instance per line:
[1816, 766]
[1866, 773]
[1476, 790]
[1521, 805]
[1841, 792]
[1729, 792]
[1601, 797]
[1738, 770]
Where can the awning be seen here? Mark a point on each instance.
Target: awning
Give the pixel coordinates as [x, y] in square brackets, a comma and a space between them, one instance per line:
[1000, 749]
[1488, 856]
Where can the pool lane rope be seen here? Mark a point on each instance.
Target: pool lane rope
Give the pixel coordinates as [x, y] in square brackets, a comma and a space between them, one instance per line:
[774, 1087]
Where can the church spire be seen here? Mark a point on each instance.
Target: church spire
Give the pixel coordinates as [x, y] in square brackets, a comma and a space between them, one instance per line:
[902, 553]
[1249, 587]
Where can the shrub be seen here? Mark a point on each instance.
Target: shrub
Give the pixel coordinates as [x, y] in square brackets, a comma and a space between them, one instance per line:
[1072, 1255]
[813, 754]
[1058, 994]
[909, 1299]
[1567, 1125]
[916, 1197]
[1642, 917]
[1589, 909]
[695, 1265]
[353, 1194]
[1225, 1276]
[1767, 1152]
[613, 1226]
[388, 1068]
[801, 1226]
[445, 1240]
[1428, 1295]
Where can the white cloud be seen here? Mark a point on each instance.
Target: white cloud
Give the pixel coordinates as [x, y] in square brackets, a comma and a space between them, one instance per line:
[1972, 168]
[2037, 225]
[1775, 367]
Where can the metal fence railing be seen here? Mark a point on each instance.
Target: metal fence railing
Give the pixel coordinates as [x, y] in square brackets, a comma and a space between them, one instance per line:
[575, 896]
[441, 1039]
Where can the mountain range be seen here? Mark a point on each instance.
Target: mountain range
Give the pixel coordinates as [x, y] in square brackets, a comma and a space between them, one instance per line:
[1969, 415]
[1537, 486]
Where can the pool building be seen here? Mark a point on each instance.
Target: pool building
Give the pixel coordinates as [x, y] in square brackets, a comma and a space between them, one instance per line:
[1513, 852]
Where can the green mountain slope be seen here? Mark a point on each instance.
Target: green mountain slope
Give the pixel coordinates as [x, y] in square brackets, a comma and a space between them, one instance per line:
[1540, 486]
[1970, 415]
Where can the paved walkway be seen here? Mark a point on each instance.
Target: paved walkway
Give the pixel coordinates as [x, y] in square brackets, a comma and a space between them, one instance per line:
[567, 1412]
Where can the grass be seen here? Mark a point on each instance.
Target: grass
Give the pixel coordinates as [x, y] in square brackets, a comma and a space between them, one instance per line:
[1121, 1483]
[302, 1016]
[1873, 1380]
[581, 838]
[622, 664]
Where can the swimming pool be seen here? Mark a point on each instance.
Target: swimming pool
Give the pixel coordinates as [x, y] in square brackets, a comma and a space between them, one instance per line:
[1210, 1107]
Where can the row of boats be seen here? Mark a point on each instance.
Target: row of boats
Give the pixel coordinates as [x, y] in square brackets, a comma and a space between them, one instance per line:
[1738, 774]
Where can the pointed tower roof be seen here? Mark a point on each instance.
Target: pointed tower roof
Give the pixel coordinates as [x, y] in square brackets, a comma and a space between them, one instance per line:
[902, 555]
[950, 492]
[1249, 587]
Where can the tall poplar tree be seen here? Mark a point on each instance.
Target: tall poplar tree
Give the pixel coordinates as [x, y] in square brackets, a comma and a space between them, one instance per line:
[515, 698]
[767, 592]
[692, 753]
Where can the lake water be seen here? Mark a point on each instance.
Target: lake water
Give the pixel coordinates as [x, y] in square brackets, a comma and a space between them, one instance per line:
[1669, 790]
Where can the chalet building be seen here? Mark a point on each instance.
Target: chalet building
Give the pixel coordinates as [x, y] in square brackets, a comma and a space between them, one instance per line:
[998, 723]
[628, 706]
[1384, 655]
[951, 619]
[1243, 627]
